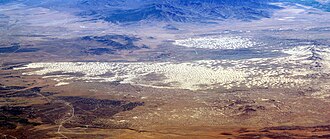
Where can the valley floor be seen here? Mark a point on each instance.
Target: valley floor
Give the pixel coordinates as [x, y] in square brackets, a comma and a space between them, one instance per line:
[33, 107]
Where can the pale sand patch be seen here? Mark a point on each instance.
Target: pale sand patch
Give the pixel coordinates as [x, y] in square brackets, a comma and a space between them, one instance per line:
[178, 75]
[218, 42]
[284, 72]
[62, 83]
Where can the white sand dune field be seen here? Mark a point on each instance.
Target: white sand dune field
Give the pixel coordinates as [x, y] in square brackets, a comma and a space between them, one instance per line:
[283, 72]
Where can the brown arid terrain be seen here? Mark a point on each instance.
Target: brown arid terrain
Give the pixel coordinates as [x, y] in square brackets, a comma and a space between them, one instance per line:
[34, 107]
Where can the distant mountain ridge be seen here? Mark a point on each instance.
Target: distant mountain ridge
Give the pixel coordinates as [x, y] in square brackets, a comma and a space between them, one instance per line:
[319, 4]
[194, 11]
[131, 11]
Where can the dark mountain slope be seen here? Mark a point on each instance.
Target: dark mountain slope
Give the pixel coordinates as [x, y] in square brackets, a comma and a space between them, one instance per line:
[186, 11]
[131, 11]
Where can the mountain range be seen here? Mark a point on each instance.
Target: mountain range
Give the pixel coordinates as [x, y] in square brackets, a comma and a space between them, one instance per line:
[131, 11]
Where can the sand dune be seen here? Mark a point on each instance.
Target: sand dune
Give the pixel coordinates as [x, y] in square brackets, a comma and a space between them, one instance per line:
[216, 42]
[283, 72]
